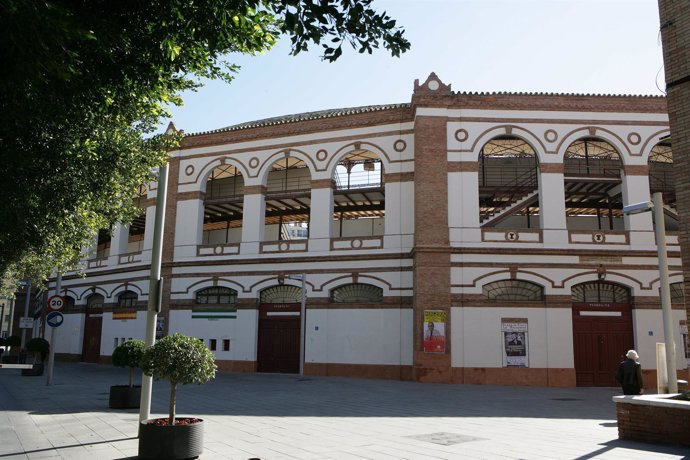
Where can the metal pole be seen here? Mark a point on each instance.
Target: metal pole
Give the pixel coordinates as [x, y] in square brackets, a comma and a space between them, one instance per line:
[303, 324]
[665, 292]
[12, 305]
[2, 317]
[26, 313]
[154, 285]
[53, 331]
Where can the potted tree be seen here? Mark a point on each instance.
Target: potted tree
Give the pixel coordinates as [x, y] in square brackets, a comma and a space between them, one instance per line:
[180, 360]
[128, 355]
[39, 347]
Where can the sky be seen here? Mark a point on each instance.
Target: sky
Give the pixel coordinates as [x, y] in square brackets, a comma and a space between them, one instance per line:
[561, 46]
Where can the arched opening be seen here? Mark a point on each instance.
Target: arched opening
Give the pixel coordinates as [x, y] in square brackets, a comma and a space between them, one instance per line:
[662, 179]
[93, 325]
[593, 177]
[359, 198]
[602, 330]
[513, 290]
[216, 295]
[288, 200]
[127, 299]
[103, 244]
[278, 344]
[357, 293]
[508, 184]
[223, 205]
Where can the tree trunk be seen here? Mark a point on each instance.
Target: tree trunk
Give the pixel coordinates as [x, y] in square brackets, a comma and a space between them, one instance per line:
[173, 395]
[131, 377]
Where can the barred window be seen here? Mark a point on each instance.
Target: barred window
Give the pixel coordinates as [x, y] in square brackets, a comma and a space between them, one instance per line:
[281, 294]
[69, 302]
[95, 301]
[127, 299]
[677, 295]
[357, 293]
[513, 290]
[217, 295]
[600, 292]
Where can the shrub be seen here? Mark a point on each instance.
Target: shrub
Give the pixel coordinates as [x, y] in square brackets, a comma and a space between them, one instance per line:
[129, 355]
[179, 359]
[38, 346]
[13, 341]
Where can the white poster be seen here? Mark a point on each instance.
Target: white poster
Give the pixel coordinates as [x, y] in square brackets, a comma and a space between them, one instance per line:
[685, 340]
[514, 338]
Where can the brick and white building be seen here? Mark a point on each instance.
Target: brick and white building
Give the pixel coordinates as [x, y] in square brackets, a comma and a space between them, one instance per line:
[499, 215]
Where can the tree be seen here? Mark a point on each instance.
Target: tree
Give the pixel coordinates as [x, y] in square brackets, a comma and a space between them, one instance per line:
[85, 84]
[129, 355]
[179, 359]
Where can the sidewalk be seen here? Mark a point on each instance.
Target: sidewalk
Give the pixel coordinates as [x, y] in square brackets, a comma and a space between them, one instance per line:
[283, 417]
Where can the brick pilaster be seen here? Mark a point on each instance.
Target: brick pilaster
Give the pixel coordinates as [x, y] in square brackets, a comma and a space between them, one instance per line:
[674, 18]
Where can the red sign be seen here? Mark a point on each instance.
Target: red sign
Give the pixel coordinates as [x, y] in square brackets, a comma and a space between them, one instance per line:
[56, 303]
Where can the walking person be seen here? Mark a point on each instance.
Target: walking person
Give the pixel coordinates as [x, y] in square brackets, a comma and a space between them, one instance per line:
[629, 374]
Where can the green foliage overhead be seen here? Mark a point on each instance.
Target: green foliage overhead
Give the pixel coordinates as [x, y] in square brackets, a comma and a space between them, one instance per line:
[129, 354]
[84, 84]
[179, 359]
[13, 341]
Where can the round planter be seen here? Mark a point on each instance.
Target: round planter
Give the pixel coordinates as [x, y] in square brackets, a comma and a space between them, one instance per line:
[124, 397]
[170, 442]
[36, 370]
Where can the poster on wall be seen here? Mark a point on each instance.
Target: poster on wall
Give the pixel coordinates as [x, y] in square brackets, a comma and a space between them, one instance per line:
[685, 340]
[434, 331]
[160, 324]
[514, 337]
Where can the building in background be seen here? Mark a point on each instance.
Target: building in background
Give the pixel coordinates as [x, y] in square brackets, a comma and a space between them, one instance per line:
[461, 237]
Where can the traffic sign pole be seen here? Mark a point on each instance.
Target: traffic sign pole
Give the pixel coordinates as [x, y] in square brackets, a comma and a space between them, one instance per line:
[53, 333]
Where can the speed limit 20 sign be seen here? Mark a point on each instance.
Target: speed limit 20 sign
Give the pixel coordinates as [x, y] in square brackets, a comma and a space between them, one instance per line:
[56, 303]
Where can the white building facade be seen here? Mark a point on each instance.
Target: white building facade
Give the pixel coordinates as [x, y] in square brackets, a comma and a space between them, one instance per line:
[496, 217]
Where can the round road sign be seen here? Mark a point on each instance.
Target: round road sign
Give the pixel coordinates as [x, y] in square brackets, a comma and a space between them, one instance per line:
[54, 318]
[56, 303]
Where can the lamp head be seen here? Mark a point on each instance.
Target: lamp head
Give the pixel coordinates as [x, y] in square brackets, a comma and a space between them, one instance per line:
[638, 208]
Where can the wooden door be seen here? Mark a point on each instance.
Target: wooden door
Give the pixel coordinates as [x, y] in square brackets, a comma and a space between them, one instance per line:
[93, 324]
[600, 343]
[279, 338]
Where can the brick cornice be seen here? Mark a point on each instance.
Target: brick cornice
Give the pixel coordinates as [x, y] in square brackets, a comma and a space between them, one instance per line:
[398, 177]
[463, 166]
[197, 195]
[551, 168]
[636, 170]
[255, 190]
[322, 183]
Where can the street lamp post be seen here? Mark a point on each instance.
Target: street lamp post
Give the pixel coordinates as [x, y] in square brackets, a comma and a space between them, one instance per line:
[657, 205]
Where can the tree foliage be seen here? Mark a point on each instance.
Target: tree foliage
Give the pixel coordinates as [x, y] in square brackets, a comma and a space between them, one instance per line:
[180, 359]
[129, 354]
[85, 83]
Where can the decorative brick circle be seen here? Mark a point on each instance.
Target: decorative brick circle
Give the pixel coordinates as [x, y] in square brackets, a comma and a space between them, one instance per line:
[218, 250]
[461, 135]
[254, 162]
[321, 155]
[356, 244]
[189, 170]
[598, 237]
[634, 138]
[550, 135]
[433, 85]
[399, 145]
[283, 246]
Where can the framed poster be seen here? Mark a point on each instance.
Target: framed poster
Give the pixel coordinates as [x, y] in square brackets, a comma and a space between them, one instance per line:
[514, 341]
[434, 331]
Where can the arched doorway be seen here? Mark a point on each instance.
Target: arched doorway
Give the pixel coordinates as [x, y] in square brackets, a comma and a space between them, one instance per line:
[279, 330]
[93, 325]
[602, 331]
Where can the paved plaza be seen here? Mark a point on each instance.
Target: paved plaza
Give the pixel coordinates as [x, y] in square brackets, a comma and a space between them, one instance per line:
[285, 417]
